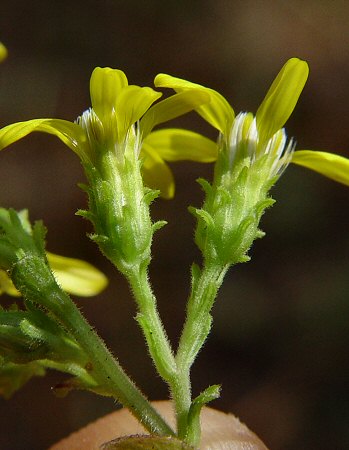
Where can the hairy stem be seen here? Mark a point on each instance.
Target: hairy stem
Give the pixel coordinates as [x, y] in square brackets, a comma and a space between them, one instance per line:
[195, 331]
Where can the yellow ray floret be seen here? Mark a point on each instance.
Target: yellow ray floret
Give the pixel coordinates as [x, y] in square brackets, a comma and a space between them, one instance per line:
[270, 118]
[119, 112]
[74, 276]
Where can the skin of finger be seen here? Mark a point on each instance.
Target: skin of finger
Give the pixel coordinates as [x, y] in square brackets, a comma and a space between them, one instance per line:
[219, 430]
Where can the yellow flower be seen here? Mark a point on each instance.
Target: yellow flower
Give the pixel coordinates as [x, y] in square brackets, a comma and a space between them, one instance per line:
[3, 52]
[121, 113]
[264, 134]
[74, 276]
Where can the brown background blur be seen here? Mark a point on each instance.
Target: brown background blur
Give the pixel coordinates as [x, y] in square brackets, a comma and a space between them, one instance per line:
[280, 340]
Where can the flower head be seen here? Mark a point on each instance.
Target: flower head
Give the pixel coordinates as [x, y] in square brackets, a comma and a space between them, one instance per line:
[253, 151]
[245, 143]
[266, 128]
[121, 120]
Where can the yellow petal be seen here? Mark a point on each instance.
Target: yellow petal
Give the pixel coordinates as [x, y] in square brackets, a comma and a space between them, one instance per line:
[132, 103]
[332, 166]
[175, 144]
[3, 52]
[6, 285]
[281, 98]
[156, 173]
[105, 87]
[76, 276]
[218, 112]
[172, 107]
[70, 133]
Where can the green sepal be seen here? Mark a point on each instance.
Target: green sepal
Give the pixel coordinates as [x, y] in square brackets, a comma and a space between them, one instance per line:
[264, 204]
[158, 225]
[206, 186]
[39, 232]
[150, 195]
[85, 214]
[260, 234]
[195, 275]
[243, 259]
[202, 214]
[98, 238]
[223, 196]
[84, 187]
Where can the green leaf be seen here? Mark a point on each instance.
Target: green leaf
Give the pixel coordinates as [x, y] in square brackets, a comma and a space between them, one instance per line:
[209, 394]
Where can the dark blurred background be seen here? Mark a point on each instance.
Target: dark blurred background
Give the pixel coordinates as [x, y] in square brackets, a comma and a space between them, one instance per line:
[280, 340]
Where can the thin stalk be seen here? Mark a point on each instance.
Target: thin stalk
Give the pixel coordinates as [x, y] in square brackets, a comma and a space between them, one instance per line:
[159, 347]
[181, 395]
[195, 331]
[151, 324]
[106, 369]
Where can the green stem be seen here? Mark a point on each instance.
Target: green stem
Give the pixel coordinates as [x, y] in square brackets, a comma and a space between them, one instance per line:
[108, 371]
[195, 331]
[37, 283]
[159, 347]
[150, 322]
[181, 395]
